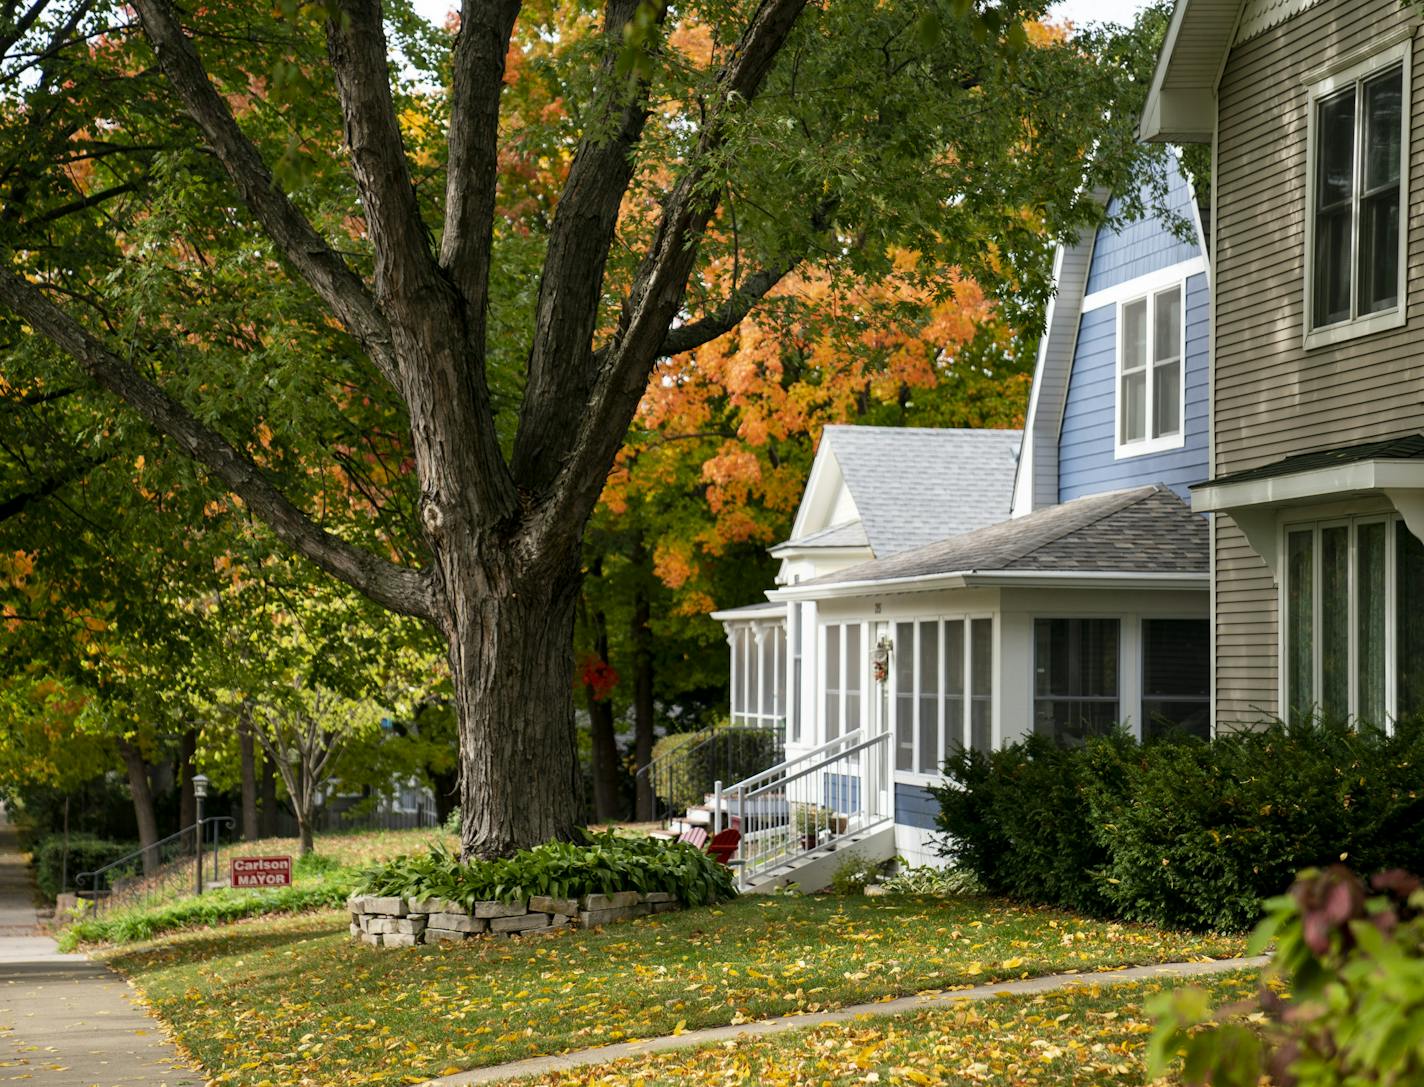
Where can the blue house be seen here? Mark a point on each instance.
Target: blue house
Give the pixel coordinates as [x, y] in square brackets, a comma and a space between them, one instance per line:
[1075, 598]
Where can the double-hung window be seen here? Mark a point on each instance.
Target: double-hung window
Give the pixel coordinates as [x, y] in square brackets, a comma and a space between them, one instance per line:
[1358, 189]
[1353, 616]
[1151, 331]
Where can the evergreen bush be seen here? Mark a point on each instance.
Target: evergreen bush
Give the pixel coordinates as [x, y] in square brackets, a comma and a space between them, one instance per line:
[86, 854]
[1181, 832]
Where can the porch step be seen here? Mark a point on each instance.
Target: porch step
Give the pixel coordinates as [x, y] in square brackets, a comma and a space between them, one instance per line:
[814, 870]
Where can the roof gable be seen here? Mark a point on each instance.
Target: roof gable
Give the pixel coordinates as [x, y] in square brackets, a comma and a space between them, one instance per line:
[906, 486]
[1181, 104]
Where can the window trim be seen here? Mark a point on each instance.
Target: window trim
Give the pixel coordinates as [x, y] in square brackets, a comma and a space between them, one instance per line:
[1296, 521]
[1143, 446]
[1354, 327]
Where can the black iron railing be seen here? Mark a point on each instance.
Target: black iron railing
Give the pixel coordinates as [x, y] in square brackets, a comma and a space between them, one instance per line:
[170, 868]
[684, 777]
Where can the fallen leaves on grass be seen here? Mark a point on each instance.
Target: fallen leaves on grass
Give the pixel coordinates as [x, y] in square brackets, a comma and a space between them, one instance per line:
[293, 1001]
[1090, 1036]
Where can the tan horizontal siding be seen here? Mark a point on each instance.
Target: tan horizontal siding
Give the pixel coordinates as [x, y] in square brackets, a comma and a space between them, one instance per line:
[1244, 631]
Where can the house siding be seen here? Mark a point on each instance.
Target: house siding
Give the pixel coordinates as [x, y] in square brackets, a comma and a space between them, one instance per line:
[1271, 397]
[1144, 246]
[1086, 463]
[915, 806]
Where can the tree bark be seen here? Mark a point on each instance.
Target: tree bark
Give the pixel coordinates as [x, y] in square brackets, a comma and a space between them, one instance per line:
[269, 799]
[511, 662]
[642, 683]
[187, 767]
[141, 788]
[248, 747]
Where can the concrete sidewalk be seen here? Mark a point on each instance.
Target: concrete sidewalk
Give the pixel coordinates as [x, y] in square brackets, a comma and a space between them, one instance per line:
[65, 1020]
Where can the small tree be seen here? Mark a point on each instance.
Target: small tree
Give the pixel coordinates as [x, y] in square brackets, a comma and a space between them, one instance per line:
[303, 730]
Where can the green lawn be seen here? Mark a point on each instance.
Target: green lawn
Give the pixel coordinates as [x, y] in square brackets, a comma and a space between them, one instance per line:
[291, 1000]
[1077, 1038]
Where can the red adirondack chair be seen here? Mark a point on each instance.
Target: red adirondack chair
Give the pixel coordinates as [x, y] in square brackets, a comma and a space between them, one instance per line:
[723, 845]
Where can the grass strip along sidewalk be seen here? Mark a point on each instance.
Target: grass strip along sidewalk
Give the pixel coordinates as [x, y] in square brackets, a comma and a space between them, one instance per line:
[292, 1000]
[1081, 1037]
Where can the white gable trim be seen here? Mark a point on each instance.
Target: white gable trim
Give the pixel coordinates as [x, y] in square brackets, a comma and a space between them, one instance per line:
[823, 487]
[1144, 284]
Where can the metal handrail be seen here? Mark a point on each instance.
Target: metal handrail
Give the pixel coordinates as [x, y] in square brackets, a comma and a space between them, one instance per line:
[128, 858]
[785, 764]
[767, 790]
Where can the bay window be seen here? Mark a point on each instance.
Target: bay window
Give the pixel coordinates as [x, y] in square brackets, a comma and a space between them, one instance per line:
[1358, 181]
[1353, 620]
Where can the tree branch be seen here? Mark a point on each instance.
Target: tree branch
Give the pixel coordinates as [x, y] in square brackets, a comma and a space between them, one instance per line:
[315, 261]
[561, 368]
[356, 44]
[470, 179]
[398, 588]
[661, 283]
[17, 504]
[727, 316]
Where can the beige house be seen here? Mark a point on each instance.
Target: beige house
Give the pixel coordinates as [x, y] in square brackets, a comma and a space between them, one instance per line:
[1315, 117]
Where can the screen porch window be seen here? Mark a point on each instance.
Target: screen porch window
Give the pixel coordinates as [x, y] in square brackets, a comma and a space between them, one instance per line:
[1176, 678]
[758, 681]
[1346, 581]
[1075, 678]
[1358, 126]
[844, 664]
[1150, 347]
[944, 690]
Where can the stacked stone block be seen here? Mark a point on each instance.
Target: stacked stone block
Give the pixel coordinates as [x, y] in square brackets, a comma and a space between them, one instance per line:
[388, 921]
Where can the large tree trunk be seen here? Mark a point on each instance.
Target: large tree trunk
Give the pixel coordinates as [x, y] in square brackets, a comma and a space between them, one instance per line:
[141, 788]
[248, 747]
[511, 662]
[642, 684]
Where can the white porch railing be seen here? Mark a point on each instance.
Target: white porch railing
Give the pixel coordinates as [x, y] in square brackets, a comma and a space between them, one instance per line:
[807, 804]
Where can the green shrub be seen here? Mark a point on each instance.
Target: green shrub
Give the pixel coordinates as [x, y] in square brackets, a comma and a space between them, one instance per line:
[726, 751]
[214, 907]
[1018, 819]
[1182, 832]
[598, 864]
[86, 854]
[1352, 961]
[315, 864]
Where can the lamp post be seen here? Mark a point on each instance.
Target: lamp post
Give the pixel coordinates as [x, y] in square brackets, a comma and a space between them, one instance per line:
[200, 793]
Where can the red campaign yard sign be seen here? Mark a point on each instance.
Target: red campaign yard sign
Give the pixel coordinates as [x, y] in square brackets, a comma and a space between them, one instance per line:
[261, 871]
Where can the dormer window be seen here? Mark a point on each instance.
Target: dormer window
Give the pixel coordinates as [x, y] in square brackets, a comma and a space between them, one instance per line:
[1150, 335]
[1358, 177]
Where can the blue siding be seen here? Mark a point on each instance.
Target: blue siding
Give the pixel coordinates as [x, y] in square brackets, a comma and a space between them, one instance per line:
[915, 807]
[841, 792]
[1085, 443]
[1140, 247]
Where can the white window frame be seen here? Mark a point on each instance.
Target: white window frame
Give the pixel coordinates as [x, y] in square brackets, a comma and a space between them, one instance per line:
[1141, 638]
[1148, 444]
[1125, 653]
[917, 776]
[862, 664]
[1294, 523]
[1356, 326]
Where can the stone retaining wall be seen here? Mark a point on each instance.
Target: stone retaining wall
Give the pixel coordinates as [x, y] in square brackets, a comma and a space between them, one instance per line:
[405, 922]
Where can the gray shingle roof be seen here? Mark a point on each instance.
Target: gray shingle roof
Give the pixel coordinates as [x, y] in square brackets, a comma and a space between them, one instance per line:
[915, 485]
[847, 534]
[1142, 530]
